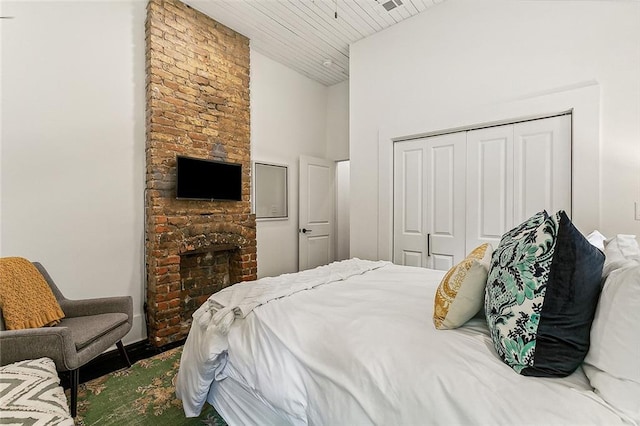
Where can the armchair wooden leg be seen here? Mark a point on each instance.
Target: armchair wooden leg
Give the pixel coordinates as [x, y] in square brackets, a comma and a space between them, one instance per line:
[74, 377]
[123, 352]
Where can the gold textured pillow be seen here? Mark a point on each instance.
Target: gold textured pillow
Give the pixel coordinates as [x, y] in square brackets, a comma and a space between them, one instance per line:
[460, 295]
[25, 297]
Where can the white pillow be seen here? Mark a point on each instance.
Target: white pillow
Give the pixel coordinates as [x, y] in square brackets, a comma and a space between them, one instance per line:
[613, 361]
[619, 251]
[597, 239]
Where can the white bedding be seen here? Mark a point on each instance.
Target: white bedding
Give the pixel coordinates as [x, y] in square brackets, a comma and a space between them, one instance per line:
[365, 351]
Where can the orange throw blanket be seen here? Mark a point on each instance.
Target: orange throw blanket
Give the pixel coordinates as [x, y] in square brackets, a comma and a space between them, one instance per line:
[26, 299]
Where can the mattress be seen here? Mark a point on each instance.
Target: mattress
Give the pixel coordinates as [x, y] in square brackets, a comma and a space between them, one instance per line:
[365, 351]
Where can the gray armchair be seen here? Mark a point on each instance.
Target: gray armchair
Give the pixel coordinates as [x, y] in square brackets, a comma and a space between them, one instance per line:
[89, 328]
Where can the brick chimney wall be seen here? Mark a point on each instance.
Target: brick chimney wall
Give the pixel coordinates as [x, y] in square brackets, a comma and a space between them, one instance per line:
[197, 100]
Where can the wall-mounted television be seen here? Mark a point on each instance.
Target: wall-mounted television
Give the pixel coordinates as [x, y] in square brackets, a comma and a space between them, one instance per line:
[199, 179]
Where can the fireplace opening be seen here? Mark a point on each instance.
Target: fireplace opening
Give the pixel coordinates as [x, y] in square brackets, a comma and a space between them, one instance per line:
[203, 273]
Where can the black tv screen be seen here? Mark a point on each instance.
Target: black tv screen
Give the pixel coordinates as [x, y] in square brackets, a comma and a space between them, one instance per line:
[198, 179]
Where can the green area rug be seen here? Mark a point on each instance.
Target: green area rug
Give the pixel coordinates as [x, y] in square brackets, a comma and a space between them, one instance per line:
[141, 395]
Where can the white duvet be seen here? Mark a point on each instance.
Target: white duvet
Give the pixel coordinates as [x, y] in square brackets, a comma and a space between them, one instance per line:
[365, 351]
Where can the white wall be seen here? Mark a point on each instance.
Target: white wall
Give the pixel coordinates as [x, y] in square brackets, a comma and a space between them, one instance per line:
[338, 149]
[338, 121]
[73, 137]
[73, 140]
[465, 61]
[342, 210]
[288, 119]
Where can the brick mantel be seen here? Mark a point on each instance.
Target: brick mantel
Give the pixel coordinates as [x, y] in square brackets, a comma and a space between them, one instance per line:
[197, 105]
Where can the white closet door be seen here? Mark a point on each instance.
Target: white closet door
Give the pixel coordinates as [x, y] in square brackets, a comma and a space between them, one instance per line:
[409, 196]
[542, 167]
[489, 203]
[454, 192]
[515, 171]
[429, 188]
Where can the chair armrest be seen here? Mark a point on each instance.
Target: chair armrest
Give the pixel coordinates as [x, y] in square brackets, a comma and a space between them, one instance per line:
[105, 305]
[32, 343]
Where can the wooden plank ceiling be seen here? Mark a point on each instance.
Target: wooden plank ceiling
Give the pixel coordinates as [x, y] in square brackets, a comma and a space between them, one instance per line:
[306, 35]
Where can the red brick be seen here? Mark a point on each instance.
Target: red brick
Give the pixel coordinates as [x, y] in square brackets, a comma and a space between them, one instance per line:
[197, 96]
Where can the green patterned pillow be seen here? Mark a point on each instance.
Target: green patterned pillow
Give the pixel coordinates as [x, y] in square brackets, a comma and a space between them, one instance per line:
[541, 295]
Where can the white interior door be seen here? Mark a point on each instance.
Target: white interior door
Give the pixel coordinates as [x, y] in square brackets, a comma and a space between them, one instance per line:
[429, 187]
[316, 212]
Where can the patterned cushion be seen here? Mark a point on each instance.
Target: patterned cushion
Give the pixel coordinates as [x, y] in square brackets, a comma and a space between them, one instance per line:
[460, 295]
[541, 296]
[30, 393]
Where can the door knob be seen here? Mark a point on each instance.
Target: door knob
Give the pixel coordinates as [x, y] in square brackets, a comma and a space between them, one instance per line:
[305, 230]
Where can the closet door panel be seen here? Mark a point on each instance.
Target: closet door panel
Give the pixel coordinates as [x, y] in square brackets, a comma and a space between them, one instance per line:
[542, 170]
[489, 207]
[409, 232]
[445, 179]
[429, 192]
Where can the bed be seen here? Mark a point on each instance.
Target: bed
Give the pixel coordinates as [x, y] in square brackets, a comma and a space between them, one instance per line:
[354, 342]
